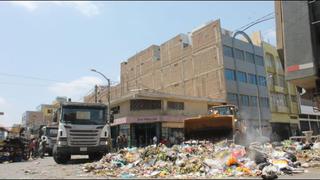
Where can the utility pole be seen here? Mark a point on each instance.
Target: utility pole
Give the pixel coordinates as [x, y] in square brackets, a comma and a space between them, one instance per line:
[109, 115]
[95, 93]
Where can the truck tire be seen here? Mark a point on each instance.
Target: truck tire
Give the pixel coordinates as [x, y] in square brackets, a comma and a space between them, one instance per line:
[60, 158]
[95, 156]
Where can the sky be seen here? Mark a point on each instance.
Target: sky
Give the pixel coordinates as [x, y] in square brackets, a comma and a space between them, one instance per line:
[48, 48]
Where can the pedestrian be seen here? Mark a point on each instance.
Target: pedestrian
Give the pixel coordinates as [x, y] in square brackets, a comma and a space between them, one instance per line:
[155, 140]
[172, 140]
[118, 142]
[42, 147]
[236, 137]
[124, 141]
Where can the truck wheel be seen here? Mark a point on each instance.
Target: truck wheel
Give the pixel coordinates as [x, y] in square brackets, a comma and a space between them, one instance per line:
[60, 158]
[95, 156]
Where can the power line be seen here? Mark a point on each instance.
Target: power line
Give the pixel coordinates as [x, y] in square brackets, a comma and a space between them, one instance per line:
[255, 21]
[38, 78]
[27, 77]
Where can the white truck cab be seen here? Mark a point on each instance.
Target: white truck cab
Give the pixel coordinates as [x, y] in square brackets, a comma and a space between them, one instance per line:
[82, 130]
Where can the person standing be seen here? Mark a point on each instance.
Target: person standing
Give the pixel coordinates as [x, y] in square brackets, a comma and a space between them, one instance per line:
[124, 141]
[118, 142]
[155, 140]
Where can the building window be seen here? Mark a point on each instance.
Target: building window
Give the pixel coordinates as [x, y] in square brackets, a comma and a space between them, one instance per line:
[230, 75]
[259, 60]
[242, 76]
[281, 81]
[143, 104]
[175, 105]
[115, 110]
[253, 100]
[49, 111]
[250, 57]
[303, 116]
[269, 60]
[279, 66]
[227, 51]
[232, 97]
[262, 81]
[239, 54]
[279, 100]
[252, 79]
[264, 102]
[312, 116]
[244, 100]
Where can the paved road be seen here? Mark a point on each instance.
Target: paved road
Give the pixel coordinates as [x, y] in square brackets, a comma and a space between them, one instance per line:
[47, 169]
[44, 168]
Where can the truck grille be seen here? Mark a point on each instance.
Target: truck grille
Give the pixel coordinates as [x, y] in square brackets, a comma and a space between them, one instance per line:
[83, 137]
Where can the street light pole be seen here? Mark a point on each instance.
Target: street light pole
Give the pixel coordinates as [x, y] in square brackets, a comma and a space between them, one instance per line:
[262, 82]
[108, 96]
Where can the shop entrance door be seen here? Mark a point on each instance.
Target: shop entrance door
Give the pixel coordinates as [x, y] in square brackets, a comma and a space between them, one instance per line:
[144, 133]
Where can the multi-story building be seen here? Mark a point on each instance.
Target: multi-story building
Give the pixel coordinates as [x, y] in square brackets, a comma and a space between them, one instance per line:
[205, 63]
[284, 99]
[309, 117]
[32, 120]
[47, 111]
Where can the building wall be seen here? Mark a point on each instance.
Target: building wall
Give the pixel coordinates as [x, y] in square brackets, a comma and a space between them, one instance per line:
[33, 119]
[239, 88]
[283, 96]
[190, 65]
[194, 65]
[191, 108]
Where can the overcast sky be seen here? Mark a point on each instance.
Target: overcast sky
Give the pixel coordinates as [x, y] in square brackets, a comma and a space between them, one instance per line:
[47, 48]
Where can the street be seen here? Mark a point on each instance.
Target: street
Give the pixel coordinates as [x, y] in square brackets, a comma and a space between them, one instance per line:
[47, 169]
[44, 168]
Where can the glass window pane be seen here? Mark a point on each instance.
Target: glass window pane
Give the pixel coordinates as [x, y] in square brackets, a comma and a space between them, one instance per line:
[232, 98]
[249, 57]
[269, 60]
[239, 54]
[253, 100]
[262, 81]
[252, 79]
[259, 60]
[230, 75]
[244, 100]
[241, 76]
[227, 51]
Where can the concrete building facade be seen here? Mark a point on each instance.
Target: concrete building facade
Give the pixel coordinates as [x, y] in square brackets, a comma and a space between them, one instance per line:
[205, 63]
[32, 120]
[283, 96]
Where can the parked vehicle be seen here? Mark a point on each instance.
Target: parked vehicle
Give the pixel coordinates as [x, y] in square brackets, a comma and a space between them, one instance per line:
[49, 134]
[82, 130]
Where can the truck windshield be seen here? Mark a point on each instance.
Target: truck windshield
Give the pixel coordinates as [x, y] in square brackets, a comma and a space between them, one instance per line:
[227, 110]
[52, 132]
[83, 115]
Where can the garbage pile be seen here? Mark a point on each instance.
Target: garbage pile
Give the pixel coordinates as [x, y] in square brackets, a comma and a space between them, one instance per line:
[207, 160]
[13, 150]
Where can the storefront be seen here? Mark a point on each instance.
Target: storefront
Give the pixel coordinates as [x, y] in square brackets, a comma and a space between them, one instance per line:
[141, 130]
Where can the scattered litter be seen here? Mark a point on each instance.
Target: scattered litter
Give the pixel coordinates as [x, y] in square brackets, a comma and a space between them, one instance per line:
[207, 160]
